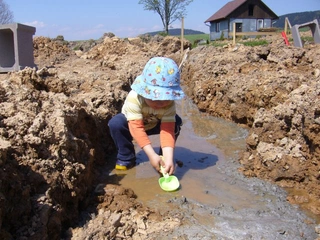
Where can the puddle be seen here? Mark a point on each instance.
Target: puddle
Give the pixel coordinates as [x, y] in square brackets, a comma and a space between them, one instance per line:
[201, 147]
[226, 204]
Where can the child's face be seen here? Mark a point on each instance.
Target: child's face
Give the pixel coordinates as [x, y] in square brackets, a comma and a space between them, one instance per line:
[157, 104]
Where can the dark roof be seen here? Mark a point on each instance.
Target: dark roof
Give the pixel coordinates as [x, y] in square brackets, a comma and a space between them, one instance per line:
[230, 7]
[226, 10]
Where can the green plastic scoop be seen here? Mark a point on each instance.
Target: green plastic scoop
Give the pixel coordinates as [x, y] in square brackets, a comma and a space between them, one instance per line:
[168, 183]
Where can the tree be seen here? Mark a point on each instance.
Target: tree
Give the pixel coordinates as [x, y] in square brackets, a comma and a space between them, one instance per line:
[168, 10]
[6, 16]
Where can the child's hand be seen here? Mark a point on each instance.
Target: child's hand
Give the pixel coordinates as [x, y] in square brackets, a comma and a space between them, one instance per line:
[156, 161]
[168, 165]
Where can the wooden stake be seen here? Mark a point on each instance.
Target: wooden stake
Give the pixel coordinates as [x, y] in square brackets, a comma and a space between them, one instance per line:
[286, 25]
[182, 35]
[234, 33]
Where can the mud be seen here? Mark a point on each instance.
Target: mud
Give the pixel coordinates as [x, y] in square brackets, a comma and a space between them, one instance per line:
[274, 91]
[56, 170]
[214, 197]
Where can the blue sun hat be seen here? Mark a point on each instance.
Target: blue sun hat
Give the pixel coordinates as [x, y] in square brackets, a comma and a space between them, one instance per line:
[160, 80]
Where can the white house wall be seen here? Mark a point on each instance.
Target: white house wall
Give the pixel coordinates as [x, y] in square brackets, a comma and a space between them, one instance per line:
[267, 23]
[248, 25]
[214, 34]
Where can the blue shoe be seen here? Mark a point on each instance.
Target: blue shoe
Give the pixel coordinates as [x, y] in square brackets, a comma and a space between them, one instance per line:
[125, 165]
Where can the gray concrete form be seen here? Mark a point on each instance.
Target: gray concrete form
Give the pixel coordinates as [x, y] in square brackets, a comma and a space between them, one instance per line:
[314, 27]
[16, 47]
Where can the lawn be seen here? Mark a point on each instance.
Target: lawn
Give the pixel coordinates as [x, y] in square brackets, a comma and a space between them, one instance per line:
[196, 37]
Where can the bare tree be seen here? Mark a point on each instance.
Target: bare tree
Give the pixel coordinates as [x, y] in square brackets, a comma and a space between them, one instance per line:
[168, 10]
[6, 16]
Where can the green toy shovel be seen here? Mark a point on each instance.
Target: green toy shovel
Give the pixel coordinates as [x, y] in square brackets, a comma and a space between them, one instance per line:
[168, 183]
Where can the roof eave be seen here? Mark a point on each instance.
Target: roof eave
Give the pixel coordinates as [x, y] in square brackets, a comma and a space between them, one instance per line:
[214, 20]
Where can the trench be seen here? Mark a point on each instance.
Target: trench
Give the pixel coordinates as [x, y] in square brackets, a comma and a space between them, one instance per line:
[223, 202]
[208, 148]
[203, 145]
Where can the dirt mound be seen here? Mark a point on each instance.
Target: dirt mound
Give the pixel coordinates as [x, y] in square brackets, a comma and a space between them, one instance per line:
[274, 91]
[53, 130]
[54, 139]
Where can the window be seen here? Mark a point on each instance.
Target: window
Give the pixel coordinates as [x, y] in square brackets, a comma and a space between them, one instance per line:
[259, 24]
[217, 27]
[251, 7]
[238, 27]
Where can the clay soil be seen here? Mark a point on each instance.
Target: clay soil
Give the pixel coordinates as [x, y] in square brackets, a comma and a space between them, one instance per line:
[54, 140]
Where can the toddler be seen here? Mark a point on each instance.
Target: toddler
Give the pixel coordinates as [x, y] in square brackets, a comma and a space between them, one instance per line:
[149, 109]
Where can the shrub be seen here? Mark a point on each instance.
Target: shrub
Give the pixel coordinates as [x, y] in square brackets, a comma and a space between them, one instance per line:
[222, 36]
[163, 34]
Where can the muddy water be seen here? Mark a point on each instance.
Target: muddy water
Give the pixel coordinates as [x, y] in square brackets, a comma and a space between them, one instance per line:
[203, 142]
[230, 205]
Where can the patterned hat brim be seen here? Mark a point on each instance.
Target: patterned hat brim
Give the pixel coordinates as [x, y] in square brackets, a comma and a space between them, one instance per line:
[155, 92]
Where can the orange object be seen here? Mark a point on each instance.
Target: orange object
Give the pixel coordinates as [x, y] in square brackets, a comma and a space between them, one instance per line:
[284, 35]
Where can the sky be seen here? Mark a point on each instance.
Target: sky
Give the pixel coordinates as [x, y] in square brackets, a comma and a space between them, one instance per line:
[84, 19]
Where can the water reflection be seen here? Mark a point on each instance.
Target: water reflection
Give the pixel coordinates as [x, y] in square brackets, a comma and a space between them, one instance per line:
[225, 135]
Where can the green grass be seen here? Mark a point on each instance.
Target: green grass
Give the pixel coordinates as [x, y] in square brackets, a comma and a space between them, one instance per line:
[305, 39]
[196, 37]
[309, 39]
[217, 43]
[304, 29]
[255, 43]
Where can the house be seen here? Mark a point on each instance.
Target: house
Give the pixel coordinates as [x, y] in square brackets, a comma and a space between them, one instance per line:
[248, 16]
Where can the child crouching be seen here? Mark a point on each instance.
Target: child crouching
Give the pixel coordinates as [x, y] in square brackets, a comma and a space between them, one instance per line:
[149, 109]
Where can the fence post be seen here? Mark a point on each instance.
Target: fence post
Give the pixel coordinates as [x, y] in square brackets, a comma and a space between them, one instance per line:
[182, 35]
[234, 33]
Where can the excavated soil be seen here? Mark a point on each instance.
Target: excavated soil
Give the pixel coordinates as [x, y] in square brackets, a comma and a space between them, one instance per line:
[54, 140]
[275, 90]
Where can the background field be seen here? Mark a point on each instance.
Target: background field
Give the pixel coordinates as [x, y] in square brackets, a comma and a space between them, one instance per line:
[196, 37]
